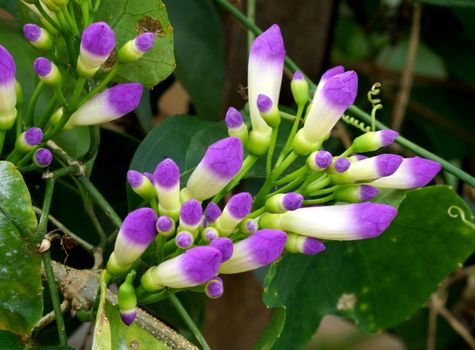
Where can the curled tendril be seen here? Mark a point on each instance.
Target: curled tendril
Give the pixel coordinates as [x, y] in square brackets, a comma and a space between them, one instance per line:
[376, 102]
[356, 123]
[456, 212]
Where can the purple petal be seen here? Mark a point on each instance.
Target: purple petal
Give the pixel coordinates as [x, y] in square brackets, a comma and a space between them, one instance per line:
[387, 137]
[366, 192]
[200, 264]
[184, 239]
[233, 118]
[164, 223]
[224, 157]
[423, 170]
[240, 205]
[340, 90]
[373, 218]
[32, 32]
[7, 66]
[33, 136]
[42, 66]
[264, 103]
[269, 45]
[128, 316]
[298, 76]
[98, 39]
[145, 41]
[191, 212]
[167, 173]
[214, 288]
[225, 246]
[387, 164]
[332, 72]
[124, 98]
[312, 246]
[323, 159]
[43, 157]
[292, 201]
[139, 227]
[342, 164]
[212, 212]
[266, 245]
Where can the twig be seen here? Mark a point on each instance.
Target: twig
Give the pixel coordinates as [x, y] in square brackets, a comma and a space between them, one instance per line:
[432, 328]
[407, 77]
[50, 316]
[457, 326]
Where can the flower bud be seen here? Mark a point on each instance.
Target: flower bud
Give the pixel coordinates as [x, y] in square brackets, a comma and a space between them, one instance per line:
[269, 112]
[212, 212]
[136, 233]
[190, 216]
[236, 126]
[108, 105]
[237, 208]
[299, 87]
[28, 139]
[259, 249]
[192, 268]
[369, 169]
[355, 193]
[47, 71]
[165, 226]
[209, 233]
[214, 288]
[141, 185]
[248, 226]
[265, 69]
[319, 161]
[336, 222]
[136, 48]
[372, 141]
[127, 300]
[7, 90]
[43, 157]
[184, 239]
[37, 36]
[283, 202]
[339, 165]
[357, 157]
[305, 245]
[167, 184]
[225, 246]
[221, 162]
[414, 172]
[97, 43]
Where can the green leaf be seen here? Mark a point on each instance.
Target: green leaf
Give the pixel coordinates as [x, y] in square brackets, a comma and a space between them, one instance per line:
[21, 302]
[272, 331]
[183, 138]
[10, 341]
[130, 337]
[75, 141]
[144, 111]
[449, 3]
[359, 279]
[130, 18]
[199, 48]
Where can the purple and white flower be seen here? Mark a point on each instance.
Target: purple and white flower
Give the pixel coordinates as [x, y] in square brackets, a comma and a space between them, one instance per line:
[37, 36]
[214, 288]
[299, 87]
[237, 208]
[319, 161]
[47, 71]
[7, 89]
[43, 157]
[225, 246]
[141, 184]
[127, 300]
[248, 226]
[283, 202]
[336, 222]
[302, 244]
[28, 139]
[236, 126]
[209, 233]
[340, 164]
[191, 214]
[165, 226]
[268, 110]
[413, 172]
[136, 48]
[355, 193]
[259, 249]
[212, 212]
[136, 233]
[108, 105]
[374, 140]
[184, 239]
[221, 162]
[166, 179]
[97, 43]
[192, 268]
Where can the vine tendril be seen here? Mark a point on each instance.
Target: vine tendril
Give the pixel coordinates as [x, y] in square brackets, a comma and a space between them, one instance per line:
[376, 102]
[455, 212]
[356, 123]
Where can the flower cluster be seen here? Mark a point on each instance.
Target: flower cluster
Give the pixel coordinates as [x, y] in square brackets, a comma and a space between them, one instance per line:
[197, 239]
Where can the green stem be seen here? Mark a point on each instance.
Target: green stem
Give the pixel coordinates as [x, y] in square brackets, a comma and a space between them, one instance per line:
[347, 152]
[270, 151]
[63, 340]
[160, 242]
[153, 298]
[63, 100]
[72, 24]
[100, 200]
[32, 104]
[246, 165]
[18, 122]
[47, 113]
[95, 132]
[251, 14]
[101, 85]
[292, 176]
[46, 16]
[324, 191]
[317, 185]
[85, 13]
[256, 213]
[452, 169]
[77, 91]
[290, 139]
[287, 188]
[186, 317]
[318, 200]
[2, 140]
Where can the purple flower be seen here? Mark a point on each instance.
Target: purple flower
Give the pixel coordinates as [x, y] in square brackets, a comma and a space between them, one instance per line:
[165, 226]
[302, 244]
[221, 162]
[184, 239]
[108, 105]
[236, 126]
[47, 71]
[259, 249]
[97, 43]
[43, 157]
[192, 268]
[141, 184]
[7, 85]
[37, 36]
[127, 300]
[28, 139]
[319, 161]
[283, 202]
[209, 233]
[299, 87]
[265, 69]
[248, 226]
[212, 212]
[190, 215]
[166, 178]
[336, 222]
[136, 233]
[225, 246]
[214, 288]
[371, 141]
[136, 48]
[355, 193]
[341, 164]
[413, 172]
[237, 208]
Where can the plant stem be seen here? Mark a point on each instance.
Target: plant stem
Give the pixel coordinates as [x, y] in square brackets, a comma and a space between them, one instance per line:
[77, 91]
[318, 200]
[32, 104]
[18, 123]
[54, 298]
[270, 151]
[292, 176]
[186, 317]
[290, 139]
[462, 175]
[101, 85]
[2, 140]
[251, 14]
[95, 132]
